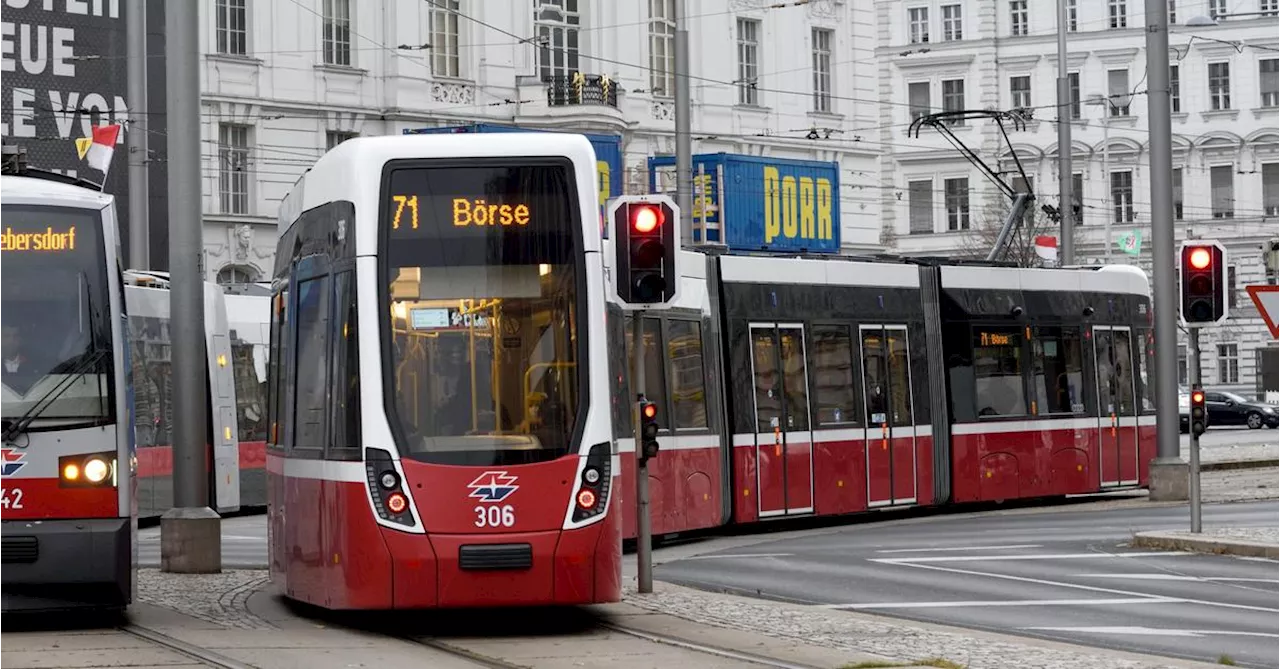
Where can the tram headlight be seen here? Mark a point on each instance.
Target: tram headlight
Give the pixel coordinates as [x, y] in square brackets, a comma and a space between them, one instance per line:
[586, 499]
[389, 480]
[591, 475]
[71, 472]
[87, 470]
[96, 470]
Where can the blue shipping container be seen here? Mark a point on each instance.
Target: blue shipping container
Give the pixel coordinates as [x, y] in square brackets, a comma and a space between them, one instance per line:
[751, 203]
[608, 156]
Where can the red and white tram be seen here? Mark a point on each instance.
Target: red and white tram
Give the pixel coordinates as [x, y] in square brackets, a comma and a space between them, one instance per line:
[439, 401]
[68, 536]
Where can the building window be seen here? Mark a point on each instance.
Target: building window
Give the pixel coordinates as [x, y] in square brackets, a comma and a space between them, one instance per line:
[1077, 198]
[233, 34]
[918, 98]
[1222, 188]
[1231, 287]
[920, 199]
[1175, 89]
[1269, 7]
[1270, 188]
[1217, 9]
[748, 63]
[337, 32]
[1073, 22]
[333, 138]
[1118, 92]
[1177, 194]
[1118, 10]
[952, 23]
[232, 275]
[953, 97]
[918, 25]
[1073, 81]
[1018, 17]
[444, 39]
[957, 191]
[556, 23]
[1173, 12]
[1182, 364]
[1122, 197]
[1220, 86]
[1268, 83]
[822, 69]
[662, 47]
[1228, 363]
[233, 168]
[1020, 92]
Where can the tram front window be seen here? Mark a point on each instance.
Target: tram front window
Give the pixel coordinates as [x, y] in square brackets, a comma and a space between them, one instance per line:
[54, 317]
[484, 349]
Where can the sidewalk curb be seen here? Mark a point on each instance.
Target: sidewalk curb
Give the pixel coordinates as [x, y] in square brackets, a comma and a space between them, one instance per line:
[1182, 542]
[1226, 465]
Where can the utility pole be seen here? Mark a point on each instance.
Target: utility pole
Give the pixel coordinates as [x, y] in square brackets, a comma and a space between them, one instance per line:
[684, 138]
[1168, 473]
[135, 15]
[191, 532]
[1193, 380]
[644, 531]
[1066, 199]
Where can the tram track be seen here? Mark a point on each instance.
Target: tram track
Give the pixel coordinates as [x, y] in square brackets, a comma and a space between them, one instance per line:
[202, 655]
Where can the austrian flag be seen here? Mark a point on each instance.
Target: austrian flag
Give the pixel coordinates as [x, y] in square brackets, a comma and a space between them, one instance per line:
[100, 147]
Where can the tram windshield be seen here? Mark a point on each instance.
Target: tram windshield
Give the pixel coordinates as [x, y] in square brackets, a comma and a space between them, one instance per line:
[482, 270]
[55, 316]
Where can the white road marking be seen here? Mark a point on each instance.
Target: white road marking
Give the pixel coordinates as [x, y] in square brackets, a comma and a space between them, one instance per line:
[1006, 602]
[1150, 631]
[960, 548]
[1176, 577]
[1077, 586]
[735, 555]
[1042, 556]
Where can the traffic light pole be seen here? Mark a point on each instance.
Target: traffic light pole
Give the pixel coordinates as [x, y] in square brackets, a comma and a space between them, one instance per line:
[644, 533]
[1193, 377]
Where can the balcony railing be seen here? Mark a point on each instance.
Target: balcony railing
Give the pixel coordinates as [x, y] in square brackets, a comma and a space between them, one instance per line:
[581, 89]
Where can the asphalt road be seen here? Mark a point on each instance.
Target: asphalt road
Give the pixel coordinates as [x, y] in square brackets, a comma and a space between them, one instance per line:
[1217, 437]
[1059, 574]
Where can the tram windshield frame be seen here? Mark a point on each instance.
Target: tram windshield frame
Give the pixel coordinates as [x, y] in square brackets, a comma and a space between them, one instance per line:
[483, 297]
[55, 303]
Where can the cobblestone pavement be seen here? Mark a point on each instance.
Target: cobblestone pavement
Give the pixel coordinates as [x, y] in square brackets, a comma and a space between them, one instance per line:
[1240, 485]
[216, 598]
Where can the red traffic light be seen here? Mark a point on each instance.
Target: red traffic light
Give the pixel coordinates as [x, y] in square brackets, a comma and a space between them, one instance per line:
[1200, 258]
[646, 219]
[1197, 397]
[650, 411]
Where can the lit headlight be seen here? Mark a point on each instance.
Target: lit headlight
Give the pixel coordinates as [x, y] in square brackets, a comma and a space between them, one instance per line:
[1269, 410]
[96, 470]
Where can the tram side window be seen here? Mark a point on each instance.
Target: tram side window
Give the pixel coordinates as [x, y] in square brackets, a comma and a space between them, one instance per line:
[345, 399]
[833, 382]
[152, 380]
[655, 382]
[251, 388]
[1146, 370]
[997, 371]
[1057, 372]
[311, 362]
[276, 370]
[688, 388]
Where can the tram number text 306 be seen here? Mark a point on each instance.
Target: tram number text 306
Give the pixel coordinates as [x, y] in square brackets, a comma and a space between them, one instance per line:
[11, 498]
[495, 516]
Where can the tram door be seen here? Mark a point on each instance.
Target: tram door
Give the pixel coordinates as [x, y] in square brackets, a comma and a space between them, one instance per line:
[891, 436]
[1117, 410]
[784, 446]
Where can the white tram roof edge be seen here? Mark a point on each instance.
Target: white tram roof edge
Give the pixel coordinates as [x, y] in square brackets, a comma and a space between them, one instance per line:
[29, 190]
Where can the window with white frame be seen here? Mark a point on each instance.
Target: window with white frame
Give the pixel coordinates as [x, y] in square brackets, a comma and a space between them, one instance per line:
[1182, 364]
[952, 23]
[1228, 363]
[1173, 12]
[337, 32]
[1073, 15]
[918, 99]
[1020, 91]
[662, 47]
[1270, 188]
[1217, 9]
[1222, 189]
[918, 25]
[1073, 82]
[445, 58]
[1269, 7]
[1177, 193]
[1018, 18]
[1175, 89]
[233, 32]
[233, 168]
[1077, 198]
[957, 194]
[233, 275]
[1118, 92]
[822, 39]
[953, 97]
[1122, 197]
[748, 61]
[1232, 298]
[556, 25]
[920, 203]
[1118, 12]
[333, 138]
[1268, 82]
[1219, 86]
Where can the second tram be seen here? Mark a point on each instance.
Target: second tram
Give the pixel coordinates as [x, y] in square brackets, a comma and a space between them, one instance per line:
[438, 387]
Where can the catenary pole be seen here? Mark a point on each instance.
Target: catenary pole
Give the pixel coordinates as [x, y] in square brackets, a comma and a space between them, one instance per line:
[684, 137]
[136, 56]
[644, 532]
[1065, 196]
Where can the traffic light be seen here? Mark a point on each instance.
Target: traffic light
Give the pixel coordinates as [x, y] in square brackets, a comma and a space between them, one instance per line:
[1203, 284]
[648, 446]
[646, 246]
[1197, 410]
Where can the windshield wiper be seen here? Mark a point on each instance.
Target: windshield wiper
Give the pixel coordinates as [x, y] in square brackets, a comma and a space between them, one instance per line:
[19, 425]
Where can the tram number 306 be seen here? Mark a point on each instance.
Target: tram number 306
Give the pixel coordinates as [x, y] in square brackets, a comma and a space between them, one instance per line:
[495, 516]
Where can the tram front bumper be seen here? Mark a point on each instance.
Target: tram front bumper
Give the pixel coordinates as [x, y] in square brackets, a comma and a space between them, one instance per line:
[66, 563]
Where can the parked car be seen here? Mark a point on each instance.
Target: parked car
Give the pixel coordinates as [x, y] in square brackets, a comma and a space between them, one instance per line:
[1226, 408]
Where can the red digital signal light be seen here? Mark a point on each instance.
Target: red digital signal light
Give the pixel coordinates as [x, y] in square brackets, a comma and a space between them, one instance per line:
[1197, 397]
[650, 411]
[646, 219]
[1200, 258]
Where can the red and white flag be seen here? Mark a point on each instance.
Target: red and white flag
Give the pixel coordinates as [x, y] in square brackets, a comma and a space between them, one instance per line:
[1047, 247]
[102, 147]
